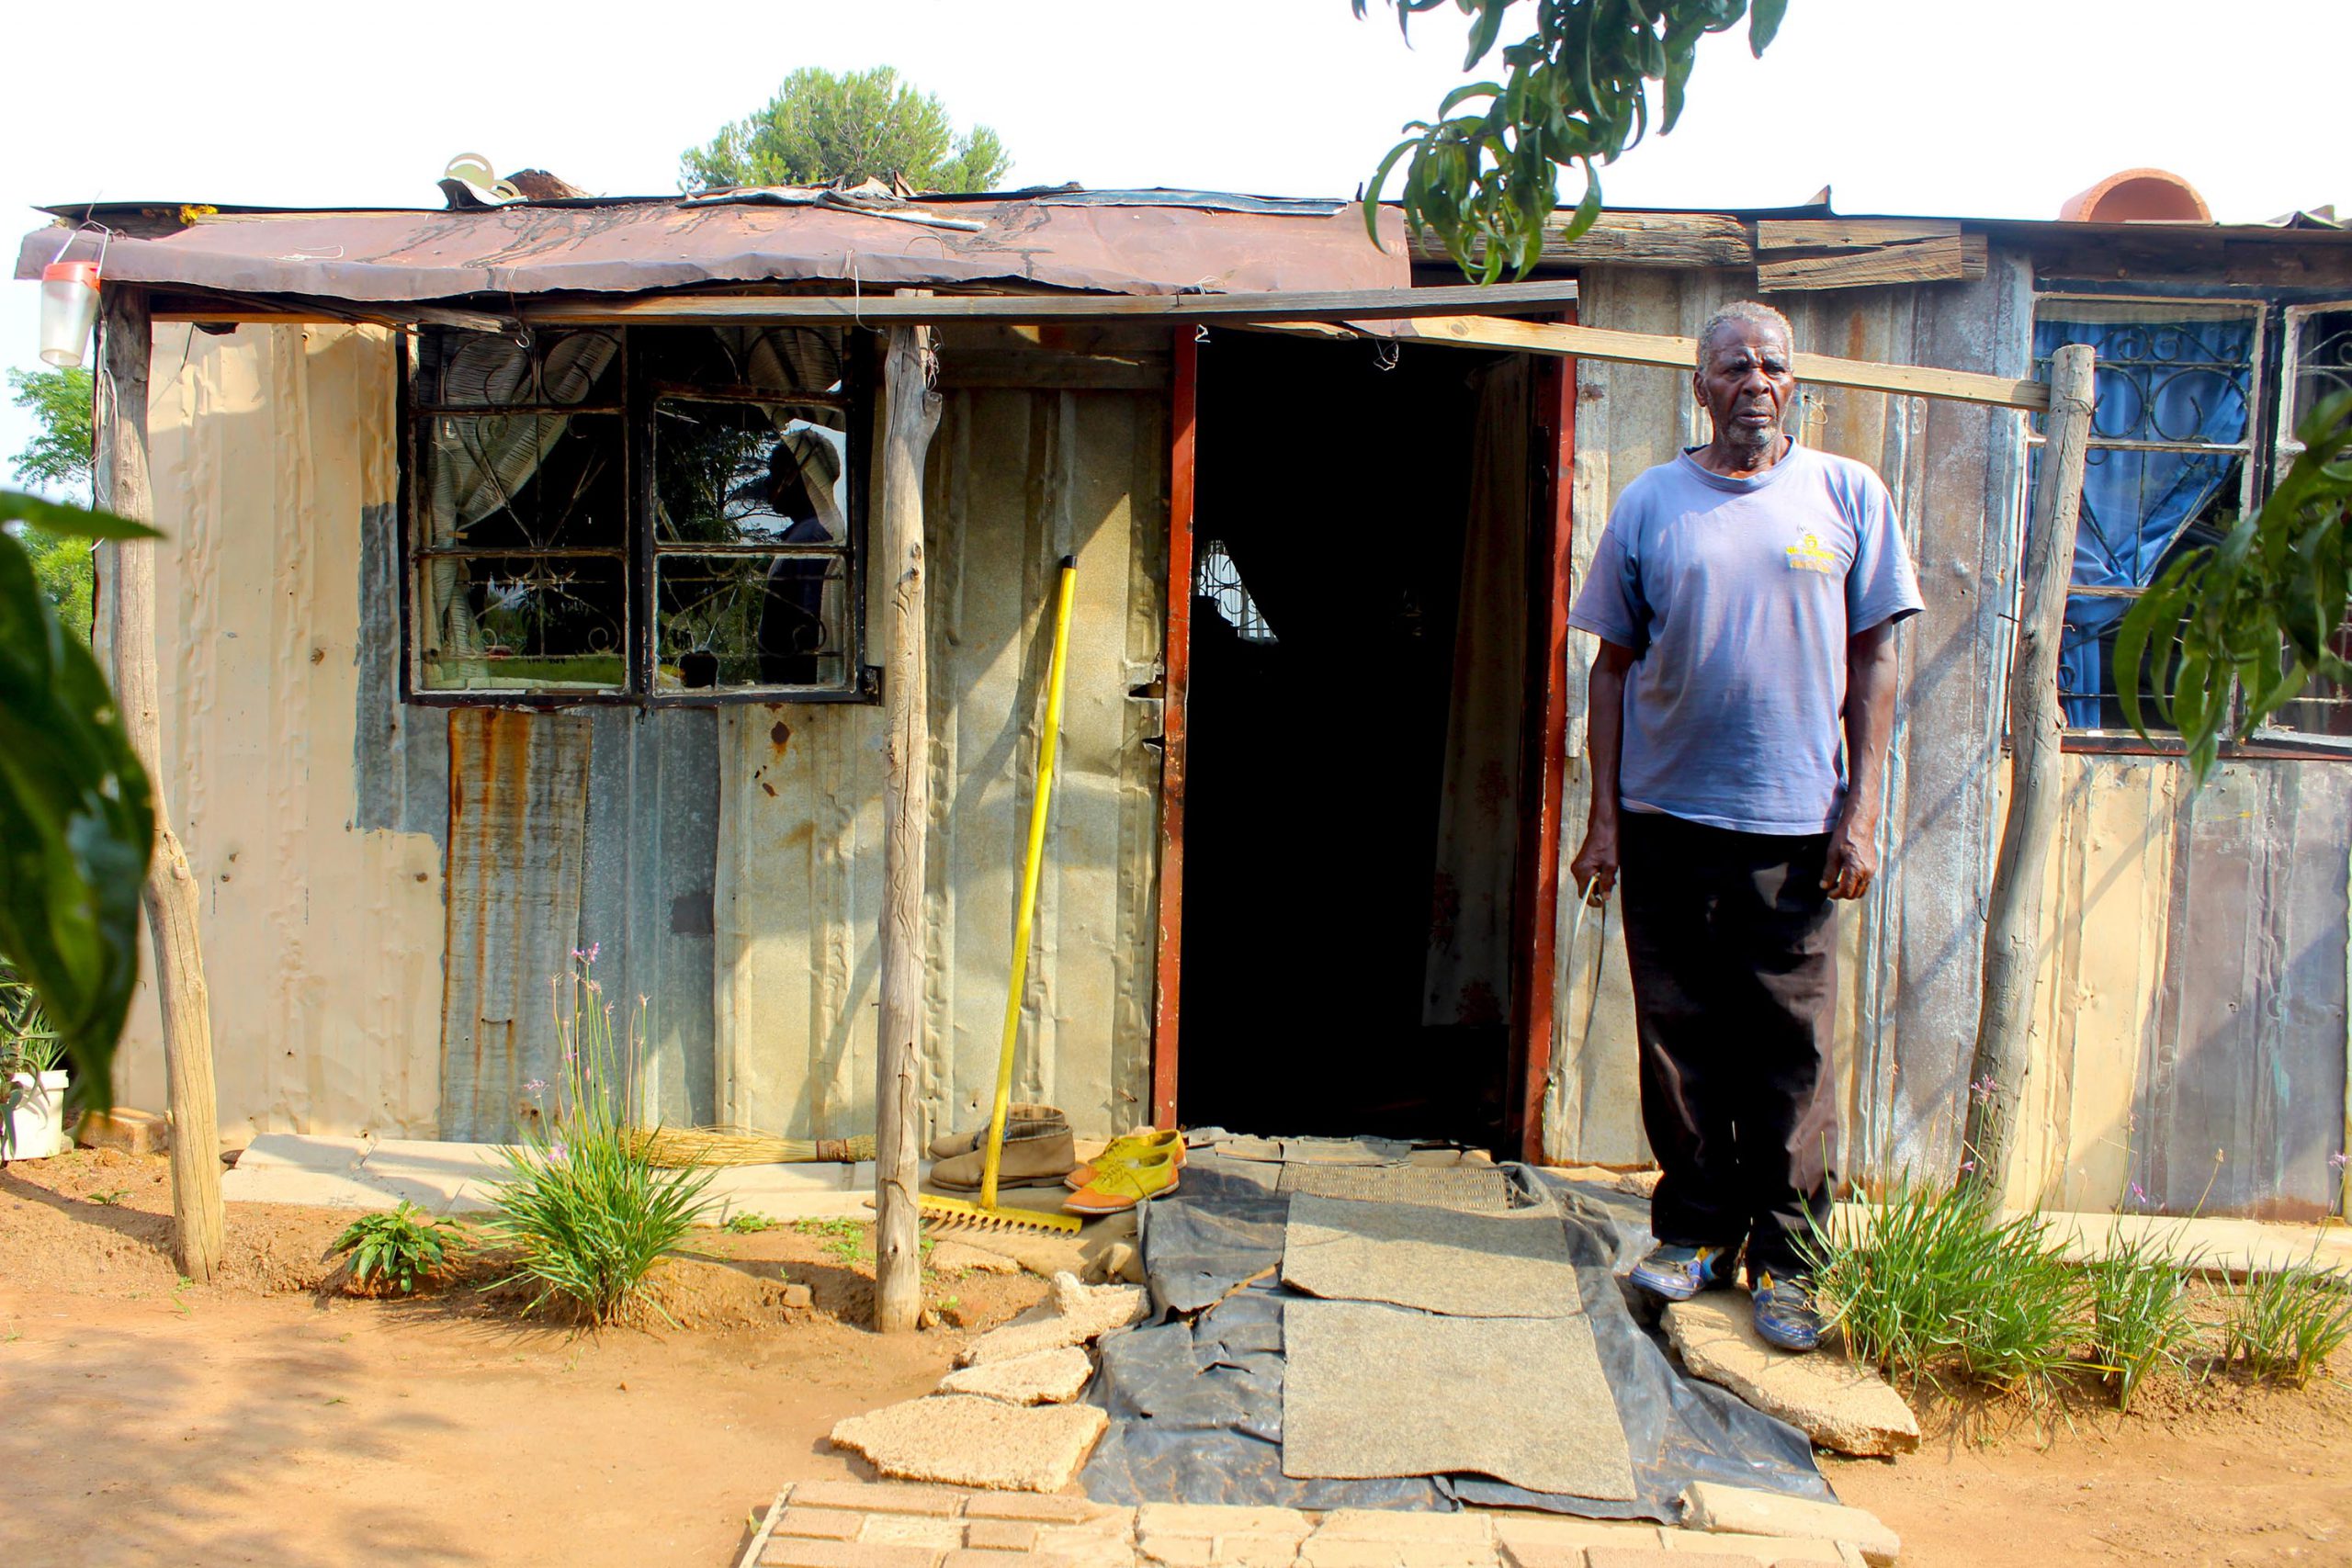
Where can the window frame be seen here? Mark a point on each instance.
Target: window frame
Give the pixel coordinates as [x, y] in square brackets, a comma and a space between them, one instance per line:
[2284, 450]
[641, 549]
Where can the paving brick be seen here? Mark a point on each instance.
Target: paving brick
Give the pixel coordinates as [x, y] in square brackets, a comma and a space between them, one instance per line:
[1044, 1511]
[1000, 1535]
[1659, 1557]
[792, 1551]
[1178, 1550]
[1770, 1551]
[1383, 1524]
[1216, 1519]
[1247, 1550]
[1322, 1553]
[930, 1533]
[1717, 1509]
[877, 1497]
[1560, 1542]
[819, 1524]
[1108, 1539]
[981, 1558]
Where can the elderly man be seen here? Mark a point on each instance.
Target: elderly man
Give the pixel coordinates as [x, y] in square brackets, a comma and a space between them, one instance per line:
[1745, 596]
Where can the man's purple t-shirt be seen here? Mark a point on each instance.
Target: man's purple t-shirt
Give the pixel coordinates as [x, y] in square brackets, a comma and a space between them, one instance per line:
[1737, 596]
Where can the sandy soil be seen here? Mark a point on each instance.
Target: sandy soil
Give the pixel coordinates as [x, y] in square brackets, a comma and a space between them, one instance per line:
[273, 1420]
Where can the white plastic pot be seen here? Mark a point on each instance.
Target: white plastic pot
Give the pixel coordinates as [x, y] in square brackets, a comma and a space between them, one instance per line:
[37, 1124]
[69, 309]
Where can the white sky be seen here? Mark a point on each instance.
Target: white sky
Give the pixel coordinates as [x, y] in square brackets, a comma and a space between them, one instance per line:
[1969, 107]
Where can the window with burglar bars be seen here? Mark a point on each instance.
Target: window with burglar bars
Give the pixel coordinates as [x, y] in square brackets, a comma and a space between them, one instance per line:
[641, 514]
[2197, 403]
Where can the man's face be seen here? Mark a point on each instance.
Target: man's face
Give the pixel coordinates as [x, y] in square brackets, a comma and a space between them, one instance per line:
[1747, 383]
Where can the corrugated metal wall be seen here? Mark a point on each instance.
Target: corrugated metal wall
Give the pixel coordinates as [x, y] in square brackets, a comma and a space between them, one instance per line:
[2147, 1061]
[1018, 479]
[322, 922]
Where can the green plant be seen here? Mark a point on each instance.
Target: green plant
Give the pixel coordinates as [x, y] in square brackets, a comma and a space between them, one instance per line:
[1574, 91]
[587, 1213]
[77, 826]
[401, 1245]
[109, 1196]
[1939, 1285]
[748, 1224]
[855, 126]
[2138, 1301]
[846, 1239]
[2256, 614]
[2286, 1324]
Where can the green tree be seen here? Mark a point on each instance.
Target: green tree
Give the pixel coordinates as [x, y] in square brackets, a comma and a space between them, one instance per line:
[1576, 91]
[57, 459]
[864, 125]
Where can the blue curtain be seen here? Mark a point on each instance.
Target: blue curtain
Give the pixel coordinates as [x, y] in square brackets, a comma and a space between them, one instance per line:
[2182, 379]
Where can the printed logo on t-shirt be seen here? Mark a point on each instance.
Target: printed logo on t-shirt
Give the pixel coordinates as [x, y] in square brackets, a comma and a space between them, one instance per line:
[1809, 555]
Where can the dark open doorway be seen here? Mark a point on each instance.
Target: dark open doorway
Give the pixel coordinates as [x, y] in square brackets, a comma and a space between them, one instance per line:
[1358, 664]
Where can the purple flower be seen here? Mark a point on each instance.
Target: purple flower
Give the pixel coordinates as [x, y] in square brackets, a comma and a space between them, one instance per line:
[1983, 1087]
[2339, 1161]
[2137, 1194]
[1966, 1166]
[588, 955]
[537, 1086]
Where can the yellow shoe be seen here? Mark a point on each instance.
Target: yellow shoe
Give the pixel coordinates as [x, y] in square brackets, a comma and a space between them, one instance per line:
[1126, 1150]
[1121, 1186]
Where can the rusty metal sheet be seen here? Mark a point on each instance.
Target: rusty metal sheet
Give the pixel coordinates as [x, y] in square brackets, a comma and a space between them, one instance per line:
[632, 246]
[518, 797]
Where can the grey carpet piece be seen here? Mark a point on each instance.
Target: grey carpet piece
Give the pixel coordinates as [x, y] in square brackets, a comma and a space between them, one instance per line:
[1481, 1188]
[1437, 1259]
[1344, 1151]
[1379, 1390]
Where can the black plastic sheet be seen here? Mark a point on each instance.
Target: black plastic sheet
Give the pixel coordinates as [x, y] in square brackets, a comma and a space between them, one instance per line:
[1195, 1396]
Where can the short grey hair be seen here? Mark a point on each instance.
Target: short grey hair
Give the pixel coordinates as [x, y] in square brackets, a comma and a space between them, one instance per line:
[1756, 313]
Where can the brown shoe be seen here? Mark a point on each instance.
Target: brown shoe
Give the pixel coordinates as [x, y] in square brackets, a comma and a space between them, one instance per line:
[1021, 1122]
[1040, 1161]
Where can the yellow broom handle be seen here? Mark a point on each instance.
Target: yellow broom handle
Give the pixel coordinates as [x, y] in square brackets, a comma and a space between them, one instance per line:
[1031, 871]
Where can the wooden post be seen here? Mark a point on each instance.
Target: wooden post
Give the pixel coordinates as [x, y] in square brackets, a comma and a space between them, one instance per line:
[912, 411]
[126, 571]
[2013, 923]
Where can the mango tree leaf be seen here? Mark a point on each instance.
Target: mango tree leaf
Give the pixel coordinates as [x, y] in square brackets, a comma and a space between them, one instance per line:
[69, 521]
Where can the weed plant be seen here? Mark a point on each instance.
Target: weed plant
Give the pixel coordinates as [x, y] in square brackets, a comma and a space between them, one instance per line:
[2286, 1324]
[401, 1246]
[588, 1214]
[2140, 1318]
[1940, 1285]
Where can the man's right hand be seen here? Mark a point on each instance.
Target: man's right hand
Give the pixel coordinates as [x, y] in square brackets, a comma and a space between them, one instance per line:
[1595, 863]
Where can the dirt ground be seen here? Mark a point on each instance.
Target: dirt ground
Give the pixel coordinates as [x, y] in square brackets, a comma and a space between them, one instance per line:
[272, 1419]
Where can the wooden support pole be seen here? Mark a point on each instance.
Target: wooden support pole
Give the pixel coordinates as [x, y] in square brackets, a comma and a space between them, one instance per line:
[126, 571]
[911, 409]
[2013, 922]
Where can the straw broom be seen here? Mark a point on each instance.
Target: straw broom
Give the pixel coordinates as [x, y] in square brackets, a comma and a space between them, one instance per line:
[673, 1148]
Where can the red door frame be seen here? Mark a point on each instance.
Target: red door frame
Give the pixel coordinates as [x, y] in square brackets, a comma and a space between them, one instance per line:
[1176, 685]
[1536, 906]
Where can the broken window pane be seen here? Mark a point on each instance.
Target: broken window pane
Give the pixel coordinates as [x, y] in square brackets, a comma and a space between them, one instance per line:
[482, 369]
[770, 359]
[727, 473]
[750, 620]
[511, 622]
[1215, 578]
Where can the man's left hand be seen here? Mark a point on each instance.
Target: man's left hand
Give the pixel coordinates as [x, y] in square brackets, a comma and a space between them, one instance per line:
[1852, 864]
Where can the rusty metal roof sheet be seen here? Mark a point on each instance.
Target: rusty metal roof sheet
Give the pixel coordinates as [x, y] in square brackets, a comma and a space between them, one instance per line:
[1141, 242]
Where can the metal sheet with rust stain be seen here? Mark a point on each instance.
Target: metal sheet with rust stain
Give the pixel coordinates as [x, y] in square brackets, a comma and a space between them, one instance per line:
[1016, 480]
[518, 807]
[629, 246]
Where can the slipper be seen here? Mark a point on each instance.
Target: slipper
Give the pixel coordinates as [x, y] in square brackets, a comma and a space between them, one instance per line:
[1126, 1150]
[1119, 1187]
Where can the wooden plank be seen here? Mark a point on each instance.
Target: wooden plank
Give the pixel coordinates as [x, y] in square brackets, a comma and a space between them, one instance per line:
[1632, 239]
[1681, 353]
[170, 893]
[1306, 305]
[1043, 370]
[1175, 699]
[1953, 259]
[912, 410]
[1848, 233]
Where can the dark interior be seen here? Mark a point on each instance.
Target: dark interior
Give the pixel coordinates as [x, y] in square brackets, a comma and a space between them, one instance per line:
[1336, 476]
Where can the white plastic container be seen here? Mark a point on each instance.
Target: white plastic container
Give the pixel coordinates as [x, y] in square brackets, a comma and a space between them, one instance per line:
[69, 309]
[36, 1125]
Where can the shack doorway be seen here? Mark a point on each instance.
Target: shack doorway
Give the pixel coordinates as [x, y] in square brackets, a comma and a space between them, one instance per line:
[1359, 665]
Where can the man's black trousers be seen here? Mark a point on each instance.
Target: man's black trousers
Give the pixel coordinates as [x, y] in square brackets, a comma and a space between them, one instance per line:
[1733, 945]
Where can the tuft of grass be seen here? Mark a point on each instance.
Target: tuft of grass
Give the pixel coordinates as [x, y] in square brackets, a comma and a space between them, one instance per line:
[1942, 1286]
[401, 1245]
[2140, 1319]
[847, 1240]
[2285, 1325]
[587, 1212]
[750, 1224]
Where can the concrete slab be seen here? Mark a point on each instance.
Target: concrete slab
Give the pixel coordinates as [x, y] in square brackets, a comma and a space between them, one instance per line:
[448, 1178]
[1049, 1376]
[1839, 1405]
[1077, 1314]
[1719, 1509]
[303, 1151]
[964, 1440]
[315, 1188]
